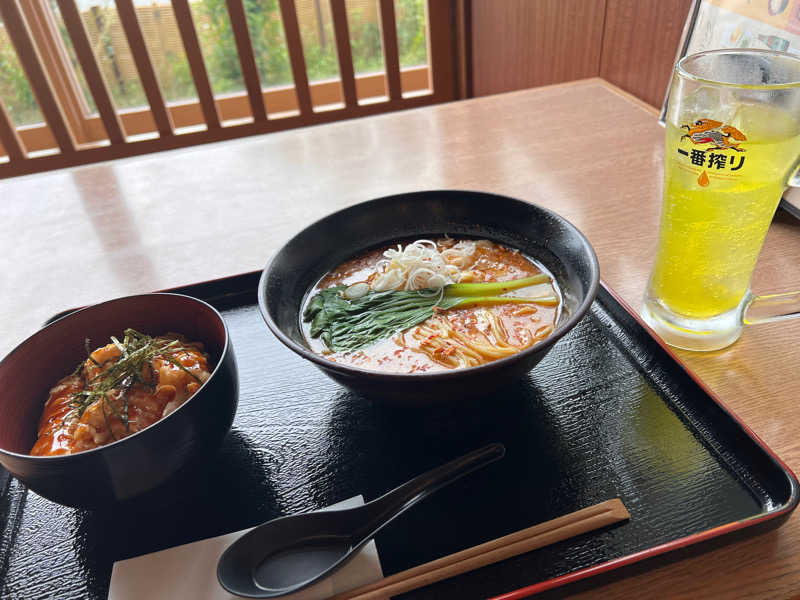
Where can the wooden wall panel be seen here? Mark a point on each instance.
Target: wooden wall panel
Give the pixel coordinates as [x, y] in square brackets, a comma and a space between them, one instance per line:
[519, 44]
[639, 45]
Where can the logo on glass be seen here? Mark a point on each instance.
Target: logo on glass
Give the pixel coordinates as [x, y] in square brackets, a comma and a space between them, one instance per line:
[721, 137]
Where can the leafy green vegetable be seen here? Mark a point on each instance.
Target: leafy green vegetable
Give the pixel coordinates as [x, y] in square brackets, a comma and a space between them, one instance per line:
[352, 324]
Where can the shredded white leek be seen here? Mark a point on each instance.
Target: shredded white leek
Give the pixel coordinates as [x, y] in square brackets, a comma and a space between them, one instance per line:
[420, 265]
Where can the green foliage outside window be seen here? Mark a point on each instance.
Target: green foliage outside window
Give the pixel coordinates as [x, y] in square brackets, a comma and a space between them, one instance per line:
[222, 61]
[15, 91]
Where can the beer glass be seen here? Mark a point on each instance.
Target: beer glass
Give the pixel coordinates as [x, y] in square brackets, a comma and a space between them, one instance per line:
[732, 147]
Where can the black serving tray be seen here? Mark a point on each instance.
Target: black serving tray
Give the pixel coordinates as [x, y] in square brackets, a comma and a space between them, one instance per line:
[608, 413]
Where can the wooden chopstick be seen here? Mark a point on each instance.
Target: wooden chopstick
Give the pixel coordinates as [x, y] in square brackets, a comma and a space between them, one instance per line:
[558, 529]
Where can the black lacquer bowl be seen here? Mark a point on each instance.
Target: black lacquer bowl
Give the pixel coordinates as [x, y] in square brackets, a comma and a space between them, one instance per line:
[141, 465]
[537, 232]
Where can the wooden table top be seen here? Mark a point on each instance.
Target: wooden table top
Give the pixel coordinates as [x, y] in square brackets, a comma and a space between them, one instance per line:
[583, 149]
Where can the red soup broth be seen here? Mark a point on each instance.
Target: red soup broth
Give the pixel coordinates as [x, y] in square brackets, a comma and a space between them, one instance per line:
[426, 348]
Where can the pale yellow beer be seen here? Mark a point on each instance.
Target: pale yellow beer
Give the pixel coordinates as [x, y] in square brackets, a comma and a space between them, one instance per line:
[714, 218]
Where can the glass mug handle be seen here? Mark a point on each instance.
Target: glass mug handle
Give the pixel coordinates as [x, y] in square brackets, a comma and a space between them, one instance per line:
[773, 307]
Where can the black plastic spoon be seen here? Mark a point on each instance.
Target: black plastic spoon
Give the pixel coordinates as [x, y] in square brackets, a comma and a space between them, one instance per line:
[289, 553]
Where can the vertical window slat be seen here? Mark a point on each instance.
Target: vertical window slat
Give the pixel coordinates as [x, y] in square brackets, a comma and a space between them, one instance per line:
[294, 44]
[9, 137]
[342, 33]
[440, 51]
[183, 17]
[17, 30]
[144, 66]
[91, 71]
[55, 63]
[390, 52]
[244, 47]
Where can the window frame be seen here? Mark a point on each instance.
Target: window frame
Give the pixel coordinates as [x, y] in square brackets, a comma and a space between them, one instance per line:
[280, 101]
[421, 85]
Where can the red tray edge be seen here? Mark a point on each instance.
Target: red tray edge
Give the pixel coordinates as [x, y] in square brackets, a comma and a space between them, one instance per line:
[688, 540]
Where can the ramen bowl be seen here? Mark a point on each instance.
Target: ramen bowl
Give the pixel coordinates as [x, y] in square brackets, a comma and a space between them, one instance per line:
[535, 231]
[138, 467]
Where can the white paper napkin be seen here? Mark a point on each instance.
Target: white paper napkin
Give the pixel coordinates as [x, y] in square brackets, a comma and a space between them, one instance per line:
[190, 571]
